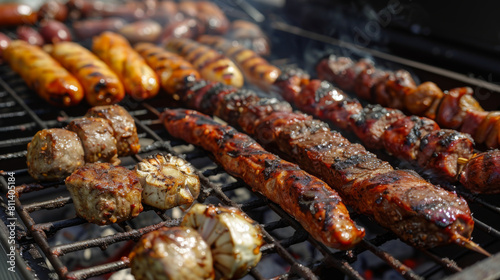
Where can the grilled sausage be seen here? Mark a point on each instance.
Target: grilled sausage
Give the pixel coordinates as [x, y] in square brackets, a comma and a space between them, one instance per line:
[172, 253]
[44, 74]
[54, 154]
[188, 28]
[256, 69]
[308, 199]
[4, 43]
[12, 14]
[212, 65]
[141, 31]
[102, 86]
[250, 36]
[139, 80]
[104, 194]
[30, 35]
[54, 31]
[125, 131]
[53, 9]
[91, 27]
[175, 72]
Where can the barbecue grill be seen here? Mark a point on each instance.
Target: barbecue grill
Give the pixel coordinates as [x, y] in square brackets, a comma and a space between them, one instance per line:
[43, 211]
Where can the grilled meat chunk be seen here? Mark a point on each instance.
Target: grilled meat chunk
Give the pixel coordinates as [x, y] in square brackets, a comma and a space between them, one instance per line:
[97, 136]
[441, 149]
[403, 137]
[54, 154]
[172, 253]
[371, 123]
[104, 194]
[123, 125]
[305, 197]
[481, 174]
[167, 181]
[233, 238]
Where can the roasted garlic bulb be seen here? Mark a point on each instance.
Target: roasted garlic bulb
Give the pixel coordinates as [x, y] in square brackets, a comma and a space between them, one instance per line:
[167, 181]
[234, 238]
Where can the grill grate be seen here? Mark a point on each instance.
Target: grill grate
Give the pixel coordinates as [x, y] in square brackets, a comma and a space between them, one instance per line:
[22, 113]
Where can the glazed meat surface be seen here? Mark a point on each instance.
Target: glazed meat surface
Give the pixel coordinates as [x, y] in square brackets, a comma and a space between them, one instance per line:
[97, 136]
[313, 204]
[104, 194]
[168, 181]
[54, 154]
[172, 253]
[125, 131]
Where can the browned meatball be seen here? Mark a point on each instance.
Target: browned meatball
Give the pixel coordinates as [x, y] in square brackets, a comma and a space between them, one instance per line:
[105, 194]
[97, 136]
[172, 253]
[123, 125]
[53, 154]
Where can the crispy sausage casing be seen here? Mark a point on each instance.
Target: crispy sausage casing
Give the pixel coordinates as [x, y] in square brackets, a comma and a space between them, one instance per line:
[44, 74]
[256, 69]
[139, 80]
[102, 86]
[317, 207]
[212, 65]
[173, 70]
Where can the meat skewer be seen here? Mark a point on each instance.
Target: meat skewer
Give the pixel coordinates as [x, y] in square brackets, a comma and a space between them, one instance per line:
[415, 139]
[420, 211]
[103, 134]
[455, 109]
[318, 208]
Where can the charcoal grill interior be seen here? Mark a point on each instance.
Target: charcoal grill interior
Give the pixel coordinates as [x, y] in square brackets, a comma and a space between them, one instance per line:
[44, 211]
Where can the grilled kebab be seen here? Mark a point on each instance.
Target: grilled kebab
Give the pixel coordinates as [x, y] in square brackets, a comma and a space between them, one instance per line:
[313, 204]
[455, 109]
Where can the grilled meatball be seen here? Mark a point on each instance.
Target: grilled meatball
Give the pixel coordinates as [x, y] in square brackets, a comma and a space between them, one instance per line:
[167, 181]
[123, 125]
[481, 174]
[105, 194]
[97, 136]
[234, 238]
[53, 154]
[172, 253]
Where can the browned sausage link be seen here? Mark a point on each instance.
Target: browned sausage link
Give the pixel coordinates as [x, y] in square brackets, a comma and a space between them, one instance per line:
[305, 197]
[12, 14]
[4, 43]
[212, 65]
[44, 74]
[91, 27]
[250, 36]
[139, 80]
[174, 71]
[256, 69]
[102, 86]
